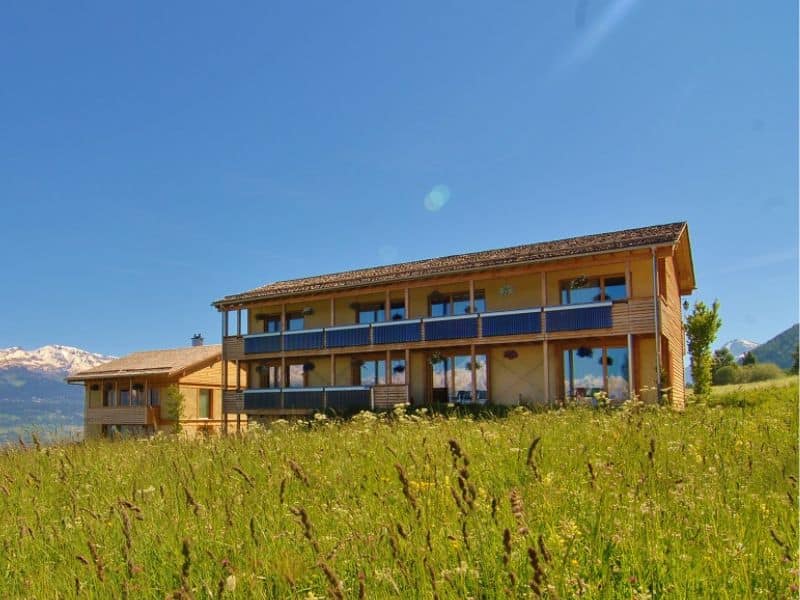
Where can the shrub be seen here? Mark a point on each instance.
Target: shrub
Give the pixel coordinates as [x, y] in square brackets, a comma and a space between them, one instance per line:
[726, 375]
[761, 372]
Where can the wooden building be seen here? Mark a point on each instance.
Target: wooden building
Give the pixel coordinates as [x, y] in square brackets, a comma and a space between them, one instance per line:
[534, 325]
[128, 395]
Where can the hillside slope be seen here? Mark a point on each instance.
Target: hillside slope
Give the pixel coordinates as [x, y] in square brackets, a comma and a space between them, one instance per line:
[779, 349]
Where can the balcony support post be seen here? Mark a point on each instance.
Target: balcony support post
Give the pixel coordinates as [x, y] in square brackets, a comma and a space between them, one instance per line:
[387, 306]
[388, 369]
[407, 373]
[333, 311]
[238, 377]
[543, 284]
[406, 303]
[238, 322]
[472, 296]
[333, 370]
[224, 369]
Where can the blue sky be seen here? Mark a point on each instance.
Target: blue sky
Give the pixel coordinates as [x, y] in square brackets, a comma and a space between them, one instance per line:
[157, 156]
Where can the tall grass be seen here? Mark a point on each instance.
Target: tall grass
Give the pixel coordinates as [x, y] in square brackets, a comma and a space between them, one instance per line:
[627, 503]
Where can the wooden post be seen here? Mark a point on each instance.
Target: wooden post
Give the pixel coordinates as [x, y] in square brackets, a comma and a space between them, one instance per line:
[283, 317]
[387, 307]
[473, 369]
[238, 423]
[238, 322]
[407, 306]
[628, 284]
[333, 311]
[224, 371]
[388, 367]
[238, 376]
[472, 296]
[333, 370]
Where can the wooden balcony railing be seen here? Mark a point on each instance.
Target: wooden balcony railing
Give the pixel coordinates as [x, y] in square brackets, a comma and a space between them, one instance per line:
[118, 415]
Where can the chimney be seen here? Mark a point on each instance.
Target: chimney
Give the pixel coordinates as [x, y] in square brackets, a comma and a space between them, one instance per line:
[197, 340]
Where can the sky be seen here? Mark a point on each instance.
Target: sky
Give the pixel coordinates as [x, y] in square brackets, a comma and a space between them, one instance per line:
[156, 156]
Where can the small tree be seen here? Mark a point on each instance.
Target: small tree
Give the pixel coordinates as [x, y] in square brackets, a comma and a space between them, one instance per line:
[722, 358]
[749, 359]
[702, 325]
[174, 407]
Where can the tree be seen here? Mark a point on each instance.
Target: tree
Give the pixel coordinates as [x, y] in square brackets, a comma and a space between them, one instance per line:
[749, 359]
[722, 358]
[796, 360]
[174, 407]
[702, 325]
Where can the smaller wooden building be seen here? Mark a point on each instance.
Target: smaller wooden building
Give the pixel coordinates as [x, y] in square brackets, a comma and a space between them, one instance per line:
[129, 395]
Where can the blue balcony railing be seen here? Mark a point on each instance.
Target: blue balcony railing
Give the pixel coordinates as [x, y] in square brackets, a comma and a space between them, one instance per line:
[451, 328]
[574, 317]
[578, 316]
[512, 322]
[337, 399]
[397, 332]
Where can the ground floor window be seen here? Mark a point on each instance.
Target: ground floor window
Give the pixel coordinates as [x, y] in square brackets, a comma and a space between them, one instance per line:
[588, 371]
[265, 375]
[204, 404]
[451, 378]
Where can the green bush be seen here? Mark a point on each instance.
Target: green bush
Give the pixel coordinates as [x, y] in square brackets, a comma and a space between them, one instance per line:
[726, 375]
[761, 372]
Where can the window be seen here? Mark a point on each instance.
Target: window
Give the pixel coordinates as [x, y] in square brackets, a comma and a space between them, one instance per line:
[108, 394]
[137, 394]
[124, 397]
[370, 372]
[588, 371]
[443, 305]
[584, 289]
[266, 375]
[296, 375]
[376, 312]
[452, 378]
[270, 323]
[399, 371]
[155, 397]
[204, 404]
[295, 321]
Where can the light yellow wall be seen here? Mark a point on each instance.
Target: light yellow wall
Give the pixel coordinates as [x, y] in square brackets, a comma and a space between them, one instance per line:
[344, 370]
[517, 381]
[525, 292]
[321, 374]
[645, 368]
[642, 278]
[321, 316]
[418, 377]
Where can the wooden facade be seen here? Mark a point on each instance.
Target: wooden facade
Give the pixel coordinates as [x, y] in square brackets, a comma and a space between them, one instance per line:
[514, 326]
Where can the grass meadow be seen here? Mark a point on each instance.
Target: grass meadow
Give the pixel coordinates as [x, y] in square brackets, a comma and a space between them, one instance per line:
[627, 503]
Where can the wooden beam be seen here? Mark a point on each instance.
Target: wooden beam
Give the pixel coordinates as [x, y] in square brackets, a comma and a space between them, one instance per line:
[407, 303]
[407, 372]
[631, 388]
[387, 306]
[388, 367]
[472, 296]
[333, 370]
[333, 311]
[474, 392]
[239, 322]
[657, 322]
[546, 364]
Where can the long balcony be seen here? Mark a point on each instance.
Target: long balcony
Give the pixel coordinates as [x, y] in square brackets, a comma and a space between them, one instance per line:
[563, 321]
[339, 399]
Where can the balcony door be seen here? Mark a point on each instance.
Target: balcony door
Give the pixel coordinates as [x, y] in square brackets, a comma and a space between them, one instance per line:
[451, 378]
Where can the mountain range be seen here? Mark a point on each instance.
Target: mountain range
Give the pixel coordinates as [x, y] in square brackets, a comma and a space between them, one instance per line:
[740, 347]
[34, 395]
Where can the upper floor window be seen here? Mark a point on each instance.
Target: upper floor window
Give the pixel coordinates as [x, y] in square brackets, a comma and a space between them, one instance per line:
[584, 289]
[376, 312]
[294, 321]
[443, 305]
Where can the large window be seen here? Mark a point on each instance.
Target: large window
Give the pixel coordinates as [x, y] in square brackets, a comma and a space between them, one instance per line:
[155, 397]
[588, 371]
[266, 375]
[451, 377]
[204, 404]
[376, 312]
[584, 289]
[108, 394]
[443, 305]
[296, 375]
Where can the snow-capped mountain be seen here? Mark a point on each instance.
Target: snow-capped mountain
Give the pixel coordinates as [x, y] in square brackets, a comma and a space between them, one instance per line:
[740, 347]
[52, 360]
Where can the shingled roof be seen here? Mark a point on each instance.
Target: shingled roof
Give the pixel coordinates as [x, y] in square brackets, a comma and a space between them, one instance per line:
[152, 362]
[655, 235]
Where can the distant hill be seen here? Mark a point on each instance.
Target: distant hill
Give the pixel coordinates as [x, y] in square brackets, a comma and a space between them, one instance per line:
[779, 349]
[33, 393]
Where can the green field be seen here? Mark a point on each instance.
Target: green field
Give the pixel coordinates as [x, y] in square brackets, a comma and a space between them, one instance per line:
[630, 503]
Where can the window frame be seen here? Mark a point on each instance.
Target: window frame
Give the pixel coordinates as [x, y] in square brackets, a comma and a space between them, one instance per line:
[563, 285]
[210, 403]
[451, 298]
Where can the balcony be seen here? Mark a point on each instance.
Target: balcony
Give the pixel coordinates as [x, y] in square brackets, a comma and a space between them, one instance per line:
[618, 318]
